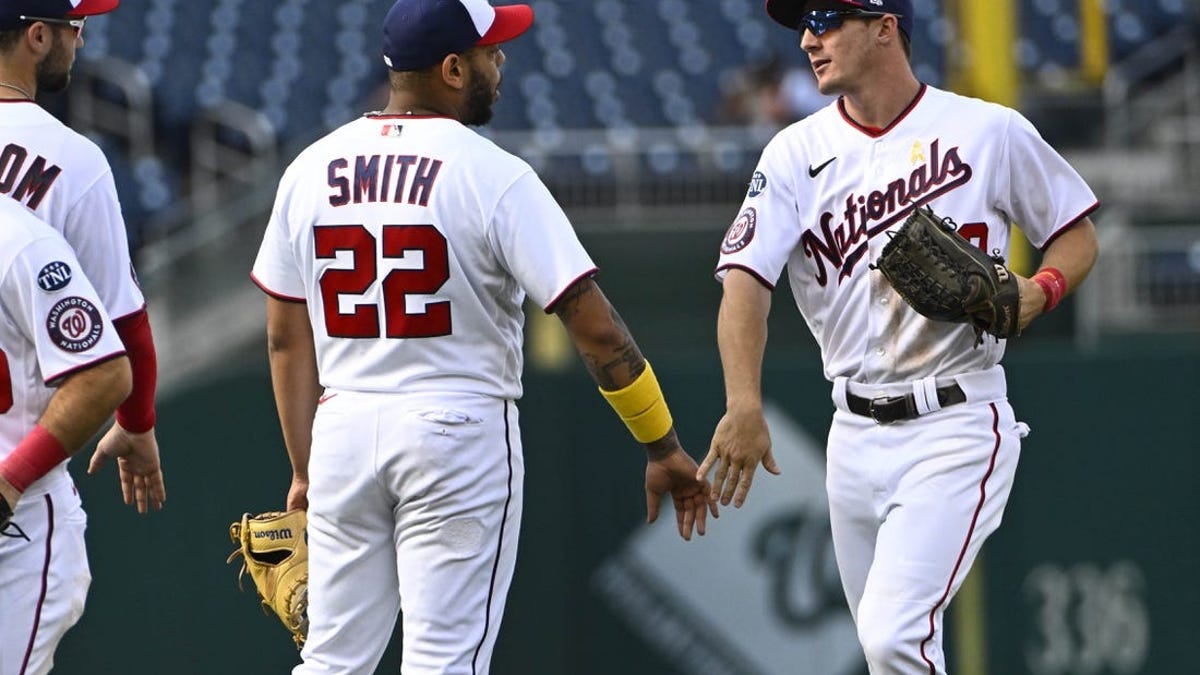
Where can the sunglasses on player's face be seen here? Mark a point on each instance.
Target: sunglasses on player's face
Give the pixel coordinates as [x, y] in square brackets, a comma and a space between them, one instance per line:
[77, 24]
[820, 21]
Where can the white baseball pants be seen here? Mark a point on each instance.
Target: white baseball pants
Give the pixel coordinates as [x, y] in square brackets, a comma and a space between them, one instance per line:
[414, 507]
[910, 506]
[44, 578]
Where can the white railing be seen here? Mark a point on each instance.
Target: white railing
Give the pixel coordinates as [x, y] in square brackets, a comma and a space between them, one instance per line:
[1146, 280]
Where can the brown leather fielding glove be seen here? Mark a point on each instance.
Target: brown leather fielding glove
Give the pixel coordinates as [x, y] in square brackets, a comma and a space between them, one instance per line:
[946, 278]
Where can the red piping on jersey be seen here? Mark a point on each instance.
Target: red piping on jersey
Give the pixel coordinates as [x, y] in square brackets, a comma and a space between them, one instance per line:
[139, 310]
[89, 364]
[874, 132]
[1071, 223]
[733, 266]
[549, 308]
[967, 540]
[37, 615]
[273, 294]
[405, 116]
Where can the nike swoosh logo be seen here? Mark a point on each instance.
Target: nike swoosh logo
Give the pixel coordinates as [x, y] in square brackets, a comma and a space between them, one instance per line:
[325, 397]
[812, 173]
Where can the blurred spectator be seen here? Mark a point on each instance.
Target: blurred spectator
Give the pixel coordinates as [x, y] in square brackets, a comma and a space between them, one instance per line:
[768, 93]
[798, 94]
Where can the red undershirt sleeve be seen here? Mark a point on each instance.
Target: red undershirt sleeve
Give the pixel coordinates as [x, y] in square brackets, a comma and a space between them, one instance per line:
[136, 414]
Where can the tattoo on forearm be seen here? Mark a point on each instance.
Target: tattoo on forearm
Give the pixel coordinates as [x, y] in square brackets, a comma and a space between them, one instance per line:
[567, 306]
[609, 369]
[663, 447]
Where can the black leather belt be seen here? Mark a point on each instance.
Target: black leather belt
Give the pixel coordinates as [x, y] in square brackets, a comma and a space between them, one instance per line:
[888, 409]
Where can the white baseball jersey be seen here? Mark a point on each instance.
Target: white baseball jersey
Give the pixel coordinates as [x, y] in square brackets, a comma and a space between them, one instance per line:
[414, 241]
[66, 181]
[827, 191]
[52, 325]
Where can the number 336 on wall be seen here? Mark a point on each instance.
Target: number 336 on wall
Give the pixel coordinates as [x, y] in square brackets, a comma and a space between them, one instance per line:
[1087, 619]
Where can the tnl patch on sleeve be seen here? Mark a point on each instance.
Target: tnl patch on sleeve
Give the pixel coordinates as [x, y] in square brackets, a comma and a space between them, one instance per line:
[54, 276]
[75, 324]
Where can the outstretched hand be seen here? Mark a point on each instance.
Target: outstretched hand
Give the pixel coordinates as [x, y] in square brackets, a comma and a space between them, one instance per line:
[676, 473]
[137, 464]
[740, 443]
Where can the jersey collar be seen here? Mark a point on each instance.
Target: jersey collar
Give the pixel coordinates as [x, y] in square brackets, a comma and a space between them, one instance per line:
[875, 132]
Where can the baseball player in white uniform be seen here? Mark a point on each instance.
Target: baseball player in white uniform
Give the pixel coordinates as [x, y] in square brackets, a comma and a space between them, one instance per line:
[397, 259]
[64, 178]
[923, 445]
[62, 373]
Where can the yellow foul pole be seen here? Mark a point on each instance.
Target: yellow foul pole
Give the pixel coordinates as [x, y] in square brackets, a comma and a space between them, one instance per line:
[1093, 43]
[983, 63]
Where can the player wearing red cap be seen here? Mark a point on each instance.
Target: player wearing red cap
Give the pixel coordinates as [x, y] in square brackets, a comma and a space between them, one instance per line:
[65, 180]
[397, 259]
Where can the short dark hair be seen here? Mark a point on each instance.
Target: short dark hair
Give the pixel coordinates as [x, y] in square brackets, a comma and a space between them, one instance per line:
[10, 37]
[409, 79]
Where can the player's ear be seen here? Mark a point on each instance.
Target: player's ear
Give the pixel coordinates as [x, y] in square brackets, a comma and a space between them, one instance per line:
[888, 29]
[38, 37]
[454, 71]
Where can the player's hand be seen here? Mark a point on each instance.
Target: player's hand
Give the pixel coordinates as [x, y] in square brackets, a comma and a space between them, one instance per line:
[298, 494]
[137, 463]
[739, 444]
[675, 472]
[1033, 300]
[10, 495]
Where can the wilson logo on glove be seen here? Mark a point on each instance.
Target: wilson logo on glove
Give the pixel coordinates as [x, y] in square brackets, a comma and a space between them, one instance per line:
[277, 559]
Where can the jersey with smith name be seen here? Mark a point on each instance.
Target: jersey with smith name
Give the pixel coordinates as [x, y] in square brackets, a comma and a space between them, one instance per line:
[64, 178]
[52, 324]
[414, 241]
[827, 192]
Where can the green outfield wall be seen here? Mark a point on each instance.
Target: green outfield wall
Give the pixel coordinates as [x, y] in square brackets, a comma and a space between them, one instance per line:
[1093, 570]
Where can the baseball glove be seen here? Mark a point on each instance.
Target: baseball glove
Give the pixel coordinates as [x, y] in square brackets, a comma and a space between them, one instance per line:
[274, 550]
[946, 278]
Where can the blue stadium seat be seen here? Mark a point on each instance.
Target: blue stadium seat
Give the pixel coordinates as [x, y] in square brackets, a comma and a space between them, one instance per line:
[145, 186]
[310, 65]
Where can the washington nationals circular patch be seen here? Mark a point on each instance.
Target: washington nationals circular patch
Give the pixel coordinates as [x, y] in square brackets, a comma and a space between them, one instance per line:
[75, 324]
[741, 232]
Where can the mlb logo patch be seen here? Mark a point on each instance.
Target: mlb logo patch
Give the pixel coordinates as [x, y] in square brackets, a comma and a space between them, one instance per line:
[391, 130]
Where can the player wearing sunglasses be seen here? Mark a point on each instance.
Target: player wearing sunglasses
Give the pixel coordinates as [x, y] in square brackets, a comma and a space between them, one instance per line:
[923, 446]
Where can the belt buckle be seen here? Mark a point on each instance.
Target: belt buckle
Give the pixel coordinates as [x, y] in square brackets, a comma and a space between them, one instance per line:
[871, 408]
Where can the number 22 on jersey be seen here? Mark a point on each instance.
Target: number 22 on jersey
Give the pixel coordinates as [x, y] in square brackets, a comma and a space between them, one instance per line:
[399, 241]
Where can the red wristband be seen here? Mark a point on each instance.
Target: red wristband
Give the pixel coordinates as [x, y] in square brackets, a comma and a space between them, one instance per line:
[34, 457]
[1053, 284]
